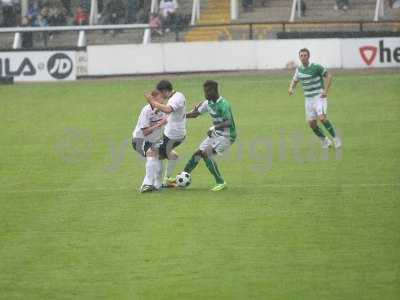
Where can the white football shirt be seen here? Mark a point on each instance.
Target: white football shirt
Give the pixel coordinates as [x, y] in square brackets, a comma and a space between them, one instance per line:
[148, 117]
[176, 126]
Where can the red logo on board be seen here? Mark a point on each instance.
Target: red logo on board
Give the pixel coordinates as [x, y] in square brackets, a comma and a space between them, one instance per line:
[368, 54]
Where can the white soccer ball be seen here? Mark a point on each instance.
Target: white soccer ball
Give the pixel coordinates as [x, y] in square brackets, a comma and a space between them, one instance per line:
[184, 179]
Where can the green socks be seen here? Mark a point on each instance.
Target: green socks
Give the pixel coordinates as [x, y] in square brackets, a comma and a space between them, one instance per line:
[318, 132]
[212, 167]
[192, 163]
[328, 125]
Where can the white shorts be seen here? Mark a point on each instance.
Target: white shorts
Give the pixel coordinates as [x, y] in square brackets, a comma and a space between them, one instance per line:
[141, 146]
[316, 106]
[216, 143]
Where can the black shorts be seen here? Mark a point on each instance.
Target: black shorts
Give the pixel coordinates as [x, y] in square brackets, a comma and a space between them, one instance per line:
[167, 146]
[141, 146]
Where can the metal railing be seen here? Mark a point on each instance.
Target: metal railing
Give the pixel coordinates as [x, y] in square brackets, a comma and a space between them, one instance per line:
[250, 28]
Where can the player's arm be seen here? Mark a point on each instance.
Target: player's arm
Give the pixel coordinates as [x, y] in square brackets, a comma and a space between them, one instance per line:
[293, 83]
[328, 82]
[149, 130]
[194, 113]
[292, 86]
[160, 106]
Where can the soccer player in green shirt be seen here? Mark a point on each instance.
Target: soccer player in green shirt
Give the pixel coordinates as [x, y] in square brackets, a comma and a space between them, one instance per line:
[316, 82]
[220, 136]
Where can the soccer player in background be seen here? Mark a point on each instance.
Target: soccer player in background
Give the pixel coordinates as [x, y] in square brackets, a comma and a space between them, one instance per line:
[316, 82]
[146, 140]
[175, 130]
[219, 137]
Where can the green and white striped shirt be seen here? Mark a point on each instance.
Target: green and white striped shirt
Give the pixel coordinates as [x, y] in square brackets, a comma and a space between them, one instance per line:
[220, 111]
[312, 79]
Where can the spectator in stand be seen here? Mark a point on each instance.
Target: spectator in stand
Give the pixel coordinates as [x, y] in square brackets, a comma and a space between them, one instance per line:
[342, 4]
[9, 11]
[133, 7]
[85, 4]
[27, 37]
[155, 24]
[247, 4]
[67, 5]
[1, 15]
[168, 7]
[42, 20]
[57, 14]
[81, 17]
[113, 13]
[302, 8]
[33, 10]
[168, 11]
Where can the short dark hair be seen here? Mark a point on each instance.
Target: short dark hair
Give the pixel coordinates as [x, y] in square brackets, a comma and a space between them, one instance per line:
[164, 85]
[305, 50]
[211, 84]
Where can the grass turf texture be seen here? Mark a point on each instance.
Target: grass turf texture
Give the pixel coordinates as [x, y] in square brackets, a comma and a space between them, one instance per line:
[294, 224]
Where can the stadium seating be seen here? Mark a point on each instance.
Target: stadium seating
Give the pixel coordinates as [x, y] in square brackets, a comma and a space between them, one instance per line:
[218, 11]
[316, 10]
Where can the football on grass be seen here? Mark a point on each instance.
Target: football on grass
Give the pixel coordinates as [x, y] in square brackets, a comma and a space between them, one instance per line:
[184, 179]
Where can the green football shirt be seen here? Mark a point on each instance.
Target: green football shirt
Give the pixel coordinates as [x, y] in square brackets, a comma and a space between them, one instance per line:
[311, 78]
[220, 111]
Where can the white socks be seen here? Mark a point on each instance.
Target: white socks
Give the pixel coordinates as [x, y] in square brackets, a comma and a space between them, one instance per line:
[171, 167]
[154, 169]
[151, 165]
[158, 174]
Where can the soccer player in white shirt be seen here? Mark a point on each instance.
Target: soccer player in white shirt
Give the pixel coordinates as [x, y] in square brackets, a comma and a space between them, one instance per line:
[175, 130]
[146, 140]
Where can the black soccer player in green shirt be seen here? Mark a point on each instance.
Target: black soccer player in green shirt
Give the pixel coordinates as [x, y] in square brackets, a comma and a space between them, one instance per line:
[219, 137]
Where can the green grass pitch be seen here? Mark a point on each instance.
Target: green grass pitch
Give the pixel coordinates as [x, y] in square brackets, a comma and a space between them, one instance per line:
[295, 222]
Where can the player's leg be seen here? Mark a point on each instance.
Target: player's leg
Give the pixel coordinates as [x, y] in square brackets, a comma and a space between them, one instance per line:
[193, 161]
[213, 168]
[198, 155]
[171, 164]
[322, 116]
[316, 129]
[142, 147]
[218, 145]
[166, 152]
[311, 116]
[155, 168]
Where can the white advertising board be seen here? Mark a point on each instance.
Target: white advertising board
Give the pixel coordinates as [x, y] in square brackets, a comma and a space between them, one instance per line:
[211, 56]
[125, 59]
[38, 65]
[240, 55]
[371, 53]
[278, 54]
